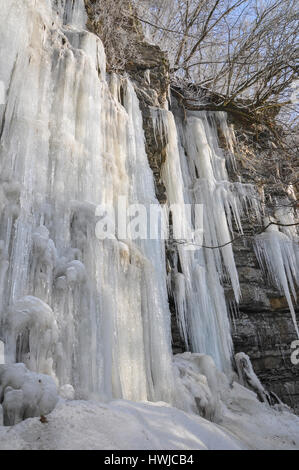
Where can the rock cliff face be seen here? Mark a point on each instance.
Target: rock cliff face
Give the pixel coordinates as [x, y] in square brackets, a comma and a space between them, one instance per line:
[266, 337]
[262, 326]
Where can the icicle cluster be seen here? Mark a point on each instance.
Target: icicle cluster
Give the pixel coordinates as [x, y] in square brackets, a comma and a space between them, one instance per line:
[195, 173]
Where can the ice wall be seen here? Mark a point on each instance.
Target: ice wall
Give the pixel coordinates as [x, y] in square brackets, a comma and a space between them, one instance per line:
[91, 313]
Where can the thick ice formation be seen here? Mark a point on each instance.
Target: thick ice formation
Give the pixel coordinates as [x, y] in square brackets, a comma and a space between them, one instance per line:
[203, 384]
[92, 313]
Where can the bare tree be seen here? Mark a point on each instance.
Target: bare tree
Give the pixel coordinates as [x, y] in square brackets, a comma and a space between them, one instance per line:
[239, 56]
[111, 20]
[238, 48]
[244, 50]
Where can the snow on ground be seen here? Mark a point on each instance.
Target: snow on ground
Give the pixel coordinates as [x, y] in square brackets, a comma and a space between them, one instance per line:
[123, 425]
[120, 425]
[232, 417]
[258, 425]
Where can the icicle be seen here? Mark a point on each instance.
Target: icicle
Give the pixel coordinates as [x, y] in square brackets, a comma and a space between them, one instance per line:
[277, 252]
[25, 394]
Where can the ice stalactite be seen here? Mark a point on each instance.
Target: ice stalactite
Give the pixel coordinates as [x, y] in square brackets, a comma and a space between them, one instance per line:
[277, 250]
[195, 173]
[92, 313]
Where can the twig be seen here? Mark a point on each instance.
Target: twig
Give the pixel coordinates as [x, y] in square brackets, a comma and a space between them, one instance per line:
[236, 238]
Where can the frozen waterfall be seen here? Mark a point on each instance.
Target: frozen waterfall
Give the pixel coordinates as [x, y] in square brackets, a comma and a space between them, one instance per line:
[93, 313]
[195, 174]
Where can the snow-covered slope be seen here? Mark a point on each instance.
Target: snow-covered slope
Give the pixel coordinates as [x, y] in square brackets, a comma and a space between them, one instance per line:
[126, 425]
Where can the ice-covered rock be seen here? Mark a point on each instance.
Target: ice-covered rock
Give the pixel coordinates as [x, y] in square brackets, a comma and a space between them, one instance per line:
[204, 386]
[248, 377]
[94, 314]
[67, 392]
[25, 394]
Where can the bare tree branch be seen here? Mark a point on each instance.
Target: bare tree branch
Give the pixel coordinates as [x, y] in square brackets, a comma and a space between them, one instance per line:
[180, 242]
